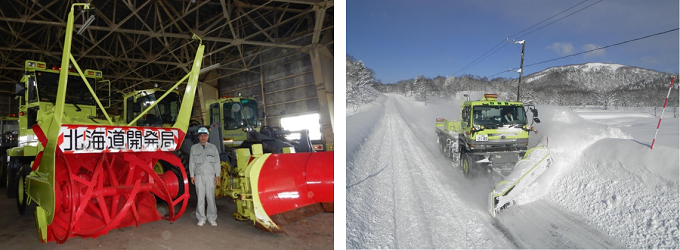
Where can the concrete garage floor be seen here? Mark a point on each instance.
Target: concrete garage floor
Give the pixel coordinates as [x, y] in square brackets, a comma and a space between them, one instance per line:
[316, 232]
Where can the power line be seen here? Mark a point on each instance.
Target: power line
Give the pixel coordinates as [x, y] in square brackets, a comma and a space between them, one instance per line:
[482, 57]
[616, 44]
[588, 51]
[563, 17]
[554, 16]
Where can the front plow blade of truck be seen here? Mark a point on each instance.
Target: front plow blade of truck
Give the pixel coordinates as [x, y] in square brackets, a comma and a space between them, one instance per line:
[534, 163]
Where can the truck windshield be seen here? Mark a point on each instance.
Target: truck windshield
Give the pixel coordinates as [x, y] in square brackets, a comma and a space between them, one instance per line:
[46, 84]
[240, 114]
[9, 125]
[169, 108]
[498, 115]
[164, 113]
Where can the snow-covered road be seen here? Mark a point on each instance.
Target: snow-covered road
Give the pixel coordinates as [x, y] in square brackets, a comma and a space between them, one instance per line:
[402, 193]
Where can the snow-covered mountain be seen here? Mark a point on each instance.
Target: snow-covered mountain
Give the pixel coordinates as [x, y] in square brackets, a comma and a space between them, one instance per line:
[598, 83]
[597, 76]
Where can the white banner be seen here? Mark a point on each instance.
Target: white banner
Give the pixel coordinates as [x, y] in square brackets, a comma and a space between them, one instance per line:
[90, 139]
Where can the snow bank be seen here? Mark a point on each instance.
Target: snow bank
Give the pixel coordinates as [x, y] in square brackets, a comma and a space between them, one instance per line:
[360, 122]
[627, 190]
[567, 135]
[611, 178]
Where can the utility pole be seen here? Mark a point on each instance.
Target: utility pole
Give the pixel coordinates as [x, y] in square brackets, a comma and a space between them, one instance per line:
[521, 65]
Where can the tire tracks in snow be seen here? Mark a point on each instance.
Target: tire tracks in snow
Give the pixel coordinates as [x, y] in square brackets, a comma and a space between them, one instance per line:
[472, 226]
[421, 202]
[414, 209]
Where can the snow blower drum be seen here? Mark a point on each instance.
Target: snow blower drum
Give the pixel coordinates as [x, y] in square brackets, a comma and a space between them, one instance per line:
[277, 189]
[99, 190]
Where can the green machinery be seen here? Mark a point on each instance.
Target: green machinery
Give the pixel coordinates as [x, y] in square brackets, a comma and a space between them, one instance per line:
[493, 136]
[86, 172]
[163, 114]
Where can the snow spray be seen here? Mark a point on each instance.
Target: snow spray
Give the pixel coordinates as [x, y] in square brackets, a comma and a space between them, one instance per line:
[664, 109]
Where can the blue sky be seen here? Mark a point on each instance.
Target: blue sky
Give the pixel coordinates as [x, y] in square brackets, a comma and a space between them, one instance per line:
[401, 39]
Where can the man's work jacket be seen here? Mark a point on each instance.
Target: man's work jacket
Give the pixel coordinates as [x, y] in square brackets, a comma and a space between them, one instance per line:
[204, 160]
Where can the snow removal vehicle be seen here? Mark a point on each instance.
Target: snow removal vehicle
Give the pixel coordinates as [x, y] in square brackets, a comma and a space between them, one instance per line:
[241, 126]
[86, 172]
[493, 136]
[272, 180]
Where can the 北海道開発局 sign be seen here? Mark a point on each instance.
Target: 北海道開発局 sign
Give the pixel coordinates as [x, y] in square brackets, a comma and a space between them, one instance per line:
[96, 139]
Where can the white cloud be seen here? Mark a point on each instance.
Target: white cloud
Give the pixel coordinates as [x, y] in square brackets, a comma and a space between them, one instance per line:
[561, 49]
[595, 53]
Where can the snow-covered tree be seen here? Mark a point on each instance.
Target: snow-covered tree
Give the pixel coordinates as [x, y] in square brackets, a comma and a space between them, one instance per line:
[360, 82]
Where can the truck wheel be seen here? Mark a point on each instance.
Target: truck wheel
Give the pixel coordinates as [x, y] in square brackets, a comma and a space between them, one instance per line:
[3, 169]
[12, 171]
[466, 159]
[442, 146]
[3, 176]
[22, 197]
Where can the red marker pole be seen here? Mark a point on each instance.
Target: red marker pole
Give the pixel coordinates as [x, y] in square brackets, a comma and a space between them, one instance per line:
[664, 109]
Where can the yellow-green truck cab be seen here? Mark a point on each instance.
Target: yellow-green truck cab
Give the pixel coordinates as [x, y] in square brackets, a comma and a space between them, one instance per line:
[164, 114]
[237, 116]
[37, 92]
[489, 133]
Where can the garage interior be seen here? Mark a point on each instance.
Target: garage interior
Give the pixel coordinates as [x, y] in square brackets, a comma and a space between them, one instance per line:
[278, 51]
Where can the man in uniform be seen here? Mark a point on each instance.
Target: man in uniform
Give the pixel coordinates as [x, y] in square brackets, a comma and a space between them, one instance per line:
[508, 117]
[204, 168]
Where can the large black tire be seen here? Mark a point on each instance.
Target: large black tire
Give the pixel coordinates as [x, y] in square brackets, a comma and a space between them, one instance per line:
[3, 168]
[22, 197]
[11, 177]
[442, 145]
[3, 176]
[467, 164]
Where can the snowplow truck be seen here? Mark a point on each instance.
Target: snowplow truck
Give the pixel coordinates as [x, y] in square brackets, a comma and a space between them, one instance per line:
[492, 136]
[241, 126]
[86, 173]
[272, 180]
[162, 113]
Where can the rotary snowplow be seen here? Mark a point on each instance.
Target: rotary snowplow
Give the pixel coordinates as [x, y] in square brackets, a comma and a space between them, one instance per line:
[272, 180]
[275, 189]
[88, 175]
[492, 136]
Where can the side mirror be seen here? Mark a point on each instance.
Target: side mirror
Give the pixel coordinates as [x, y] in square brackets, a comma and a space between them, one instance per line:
[537, 120]
[535, 111]
[19, 89]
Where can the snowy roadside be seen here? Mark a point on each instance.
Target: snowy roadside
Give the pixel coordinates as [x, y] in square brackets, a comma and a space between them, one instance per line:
[604, 175]
[360, 123]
